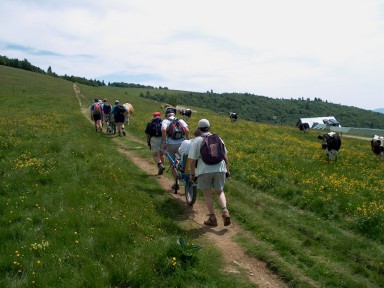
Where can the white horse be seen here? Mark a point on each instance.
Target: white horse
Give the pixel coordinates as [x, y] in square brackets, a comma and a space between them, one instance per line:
[129, 112]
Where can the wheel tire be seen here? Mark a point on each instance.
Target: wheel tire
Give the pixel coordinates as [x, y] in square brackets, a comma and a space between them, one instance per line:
[190, 193]
[177, 185]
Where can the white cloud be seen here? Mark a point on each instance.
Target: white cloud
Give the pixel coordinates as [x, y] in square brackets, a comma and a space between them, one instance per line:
[284, 49]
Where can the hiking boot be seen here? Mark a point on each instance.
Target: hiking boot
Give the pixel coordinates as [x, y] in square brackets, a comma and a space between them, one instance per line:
[124, 133]
[226, 218]
[161, 169]
[175, 186]
[211, 222]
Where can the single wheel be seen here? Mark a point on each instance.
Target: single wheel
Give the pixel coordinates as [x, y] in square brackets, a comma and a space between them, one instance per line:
[190, 192]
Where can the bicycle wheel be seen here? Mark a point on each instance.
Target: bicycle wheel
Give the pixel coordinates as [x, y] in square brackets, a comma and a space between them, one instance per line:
[190, 192]
[177, 185]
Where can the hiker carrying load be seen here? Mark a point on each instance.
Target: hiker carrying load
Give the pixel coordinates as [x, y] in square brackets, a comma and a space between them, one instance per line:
[174, 131]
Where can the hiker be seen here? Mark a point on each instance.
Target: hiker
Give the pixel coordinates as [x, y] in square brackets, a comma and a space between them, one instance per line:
[174, 131]
[107, 111]
[184, 151]
[97, 115]
[210, 175]
[154, 136]
[186, 144]
[118, 114]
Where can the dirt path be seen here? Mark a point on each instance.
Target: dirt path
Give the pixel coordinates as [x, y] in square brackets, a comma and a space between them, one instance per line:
[236, 259]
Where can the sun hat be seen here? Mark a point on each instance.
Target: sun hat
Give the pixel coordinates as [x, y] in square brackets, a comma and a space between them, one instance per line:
[156, 114]
[203, 123]
[170, 110]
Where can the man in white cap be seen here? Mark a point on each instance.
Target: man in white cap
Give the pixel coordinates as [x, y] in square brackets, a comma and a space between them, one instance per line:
[170, 142]
[210, 175]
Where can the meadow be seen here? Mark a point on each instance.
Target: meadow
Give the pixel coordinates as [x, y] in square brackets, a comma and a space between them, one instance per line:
[75, 213]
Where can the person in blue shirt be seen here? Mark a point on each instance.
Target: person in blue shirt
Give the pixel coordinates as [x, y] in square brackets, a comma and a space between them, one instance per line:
[118, 113]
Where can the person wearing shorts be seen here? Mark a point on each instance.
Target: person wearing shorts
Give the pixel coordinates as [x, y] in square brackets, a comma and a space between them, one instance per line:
[154, 143]
[170, 144]
[209, 176]
[97, 118]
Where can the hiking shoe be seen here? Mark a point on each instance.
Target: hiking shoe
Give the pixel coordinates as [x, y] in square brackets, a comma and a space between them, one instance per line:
[211, 222]
[161, 170]
[175, 186]
[124, 133]
[226, 218]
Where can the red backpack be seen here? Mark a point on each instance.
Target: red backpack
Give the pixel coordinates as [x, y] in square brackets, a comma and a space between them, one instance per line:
[96, 109]
[175, 130]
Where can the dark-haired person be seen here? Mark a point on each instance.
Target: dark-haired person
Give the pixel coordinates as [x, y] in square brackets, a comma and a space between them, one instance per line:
[154, 137]
[118, 114]
[97, 115]
[210, 176]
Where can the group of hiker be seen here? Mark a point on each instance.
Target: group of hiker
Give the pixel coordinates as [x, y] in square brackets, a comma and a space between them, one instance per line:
[207, 153]
[102, 112]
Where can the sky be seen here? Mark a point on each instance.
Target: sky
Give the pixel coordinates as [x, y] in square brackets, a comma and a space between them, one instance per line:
[328, 49]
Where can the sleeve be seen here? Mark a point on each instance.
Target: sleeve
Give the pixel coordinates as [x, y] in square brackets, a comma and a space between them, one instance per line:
[147, 128]
[194, 150]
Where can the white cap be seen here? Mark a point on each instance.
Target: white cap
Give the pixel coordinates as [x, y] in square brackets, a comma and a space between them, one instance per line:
[203, 123]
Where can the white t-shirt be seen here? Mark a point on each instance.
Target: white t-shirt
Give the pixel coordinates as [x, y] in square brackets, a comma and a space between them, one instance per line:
[202, 168]
[184, 147]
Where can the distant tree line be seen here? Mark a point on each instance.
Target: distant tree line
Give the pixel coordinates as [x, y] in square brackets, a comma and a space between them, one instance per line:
[26, 65]
[132, 85]
[273, 111]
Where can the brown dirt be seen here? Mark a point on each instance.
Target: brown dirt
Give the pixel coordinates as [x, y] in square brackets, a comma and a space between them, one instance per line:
[237, 261]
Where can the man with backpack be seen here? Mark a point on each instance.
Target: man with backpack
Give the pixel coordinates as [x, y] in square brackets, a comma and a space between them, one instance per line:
[154, 136]
[174, 131]
[107, 112]
[97, 115]
[209, 162]
[119, 118]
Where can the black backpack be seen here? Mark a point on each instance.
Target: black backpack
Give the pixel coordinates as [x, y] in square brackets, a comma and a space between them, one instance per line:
[107, 108]
[121, 109]
[212, 149]
[154, 128]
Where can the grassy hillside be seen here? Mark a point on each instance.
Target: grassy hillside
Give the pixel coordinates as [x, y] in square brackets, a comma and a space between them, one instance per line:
[75, 213]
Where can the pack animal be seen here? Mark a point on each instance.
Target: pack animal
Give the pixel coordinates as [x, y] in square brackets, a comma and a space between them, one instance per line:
[186, 113]
[331, 144]
[233, 116]
[377, 145]
[304, 127]
[129, 112]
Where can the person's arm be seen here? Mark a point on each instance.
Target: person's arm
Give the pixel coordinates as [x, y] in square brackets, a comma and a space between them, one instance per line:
[187, 134]
[163, 135]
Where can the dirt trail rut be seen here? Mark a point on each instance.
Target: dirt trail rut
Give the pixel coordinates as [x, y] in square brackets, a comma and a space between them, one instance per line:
[237, 261]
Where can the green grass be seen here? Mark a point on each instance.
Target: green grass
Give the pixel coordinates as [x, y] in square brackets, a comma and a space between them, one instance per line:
[316, 224]
[74, 211]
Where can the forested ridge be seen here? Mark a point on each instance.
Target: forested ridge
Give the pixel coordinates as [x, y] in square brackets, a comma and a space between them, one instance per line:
[247, 106]
[274, 111]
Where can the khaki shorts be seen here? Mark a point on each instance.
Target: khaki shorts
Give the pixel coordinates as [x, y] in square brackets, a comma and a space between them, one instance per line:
[156, 144]
[215, 180]
[173, 150]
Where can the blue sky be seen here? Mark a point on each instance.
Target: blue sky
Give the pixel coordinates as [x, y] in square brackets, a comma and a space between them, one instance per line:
[326, 49]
